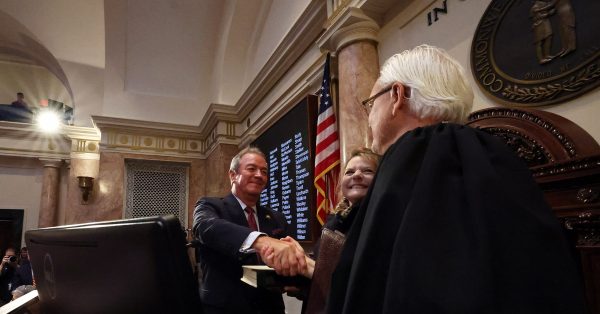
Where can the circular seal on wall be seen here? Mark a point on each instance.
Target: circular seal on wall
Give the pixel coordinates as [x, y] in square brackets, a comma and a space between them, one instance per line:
[537, 52]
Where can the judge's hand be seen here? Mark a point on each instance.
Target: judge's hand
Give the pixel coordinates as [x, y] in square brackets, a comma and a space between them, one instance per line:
[285, 257]
[268, 256]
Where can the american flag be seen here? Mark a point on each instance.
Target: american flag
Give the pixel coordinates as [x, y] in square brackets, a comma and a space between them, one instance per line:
[327, 160]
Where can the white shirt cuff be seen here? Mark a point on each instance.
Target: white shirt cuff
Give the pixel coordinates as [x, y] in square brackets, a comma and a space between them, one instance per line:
[247, 245]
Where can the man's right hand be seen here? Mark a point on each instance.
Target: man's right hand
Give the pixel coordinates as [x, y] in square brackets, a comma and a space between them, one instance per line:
[287, 258]
[267, 256]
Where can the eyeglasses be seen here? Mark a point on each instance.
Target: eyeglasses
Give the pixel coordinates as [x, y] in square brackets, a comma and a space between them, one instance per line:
[368, 103]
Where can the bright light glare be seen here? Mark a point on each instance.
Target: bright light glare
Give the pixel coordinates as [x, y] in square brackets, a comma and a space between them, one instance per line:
[48, 121]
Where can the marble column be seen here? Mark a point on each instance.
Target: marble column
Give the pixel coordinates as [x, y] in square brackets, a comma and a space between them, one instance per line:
[353, 38]
[50, 193]
[358, 67]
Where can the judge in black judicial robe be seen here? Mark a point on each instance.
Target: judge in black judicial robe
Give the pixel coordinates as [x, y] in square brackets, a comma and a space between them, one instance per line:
[453, 222]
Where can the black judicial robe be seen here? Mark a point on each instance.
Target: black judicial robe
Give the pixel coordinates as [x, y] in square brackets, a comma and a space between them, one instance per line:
[455, 223]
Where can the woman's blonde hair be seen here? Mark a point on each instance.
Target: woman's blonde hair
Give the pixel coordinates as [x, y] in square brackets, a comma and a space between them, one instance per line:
[362, 152]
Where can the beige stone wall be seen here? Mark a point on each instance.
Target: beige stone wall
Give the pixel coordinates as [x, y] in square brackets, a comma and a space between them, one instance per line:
[107, 200]
[454, 32]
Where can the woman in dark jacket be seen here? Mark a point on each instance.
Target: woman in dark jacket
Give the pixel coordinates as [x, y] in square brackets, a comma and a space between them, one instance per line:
[354, 182]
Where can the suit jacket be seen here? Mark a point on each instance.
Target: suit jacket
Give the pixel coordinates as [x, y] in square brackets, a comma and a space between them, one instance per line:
[221, 227]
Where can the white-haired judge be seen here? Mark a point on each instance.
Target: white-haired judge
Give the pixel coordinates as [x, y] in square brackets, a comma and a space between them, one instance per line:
[453, 221]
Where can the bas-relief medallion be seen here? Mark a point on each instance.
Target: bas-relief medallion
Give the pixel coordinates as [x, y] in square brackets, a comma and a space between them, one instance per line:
[537, 52]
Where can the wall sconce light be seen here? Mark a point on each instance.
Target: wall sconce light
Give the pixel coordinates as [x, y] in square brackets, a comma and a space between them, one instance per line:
[86, 184]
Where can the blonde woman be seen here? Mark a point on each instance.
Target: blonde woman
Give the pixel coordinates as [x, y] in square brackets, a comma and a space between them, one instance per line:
[354, 182]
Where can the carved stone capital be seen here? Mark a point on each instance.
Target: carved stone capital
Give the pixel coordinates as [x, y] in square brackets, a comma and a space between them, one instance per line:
[350, 25]
[51, 162]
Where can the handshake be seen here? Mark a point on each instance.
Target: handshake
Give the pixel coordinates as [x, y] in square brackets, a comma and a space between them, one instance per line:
[285, 255]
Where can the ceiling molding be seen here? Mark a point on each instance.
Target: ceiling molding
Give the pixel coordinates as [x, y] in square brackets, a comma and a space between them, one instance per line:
[300, 38]
[82, 133]
[311, 78]
[149, 138]
[215, 114]
[146, 127]
[349, 26]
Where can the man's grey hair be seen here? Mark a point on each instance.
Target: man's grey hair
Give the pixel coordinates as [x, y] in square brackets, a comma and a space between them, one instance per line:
[439, 88]
[235, 161]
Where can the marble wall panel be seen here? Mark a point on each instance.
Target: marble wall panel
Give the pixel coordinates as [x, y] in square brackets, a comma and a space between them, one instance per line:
[218, 161]
[107, 200]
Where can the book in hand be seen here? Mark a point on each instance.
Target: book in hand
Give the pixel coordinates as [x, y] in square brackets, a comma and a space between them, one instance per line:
[265, 277]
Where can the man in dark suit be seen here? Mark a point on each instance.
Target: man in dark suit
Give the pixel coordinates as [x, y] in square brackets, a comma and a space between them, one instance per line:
[231, 231]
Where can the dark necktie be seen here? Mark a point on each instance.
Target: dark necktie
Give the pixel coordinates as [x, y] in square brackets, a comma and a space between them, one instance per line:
[251, 219]
[252, 224]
